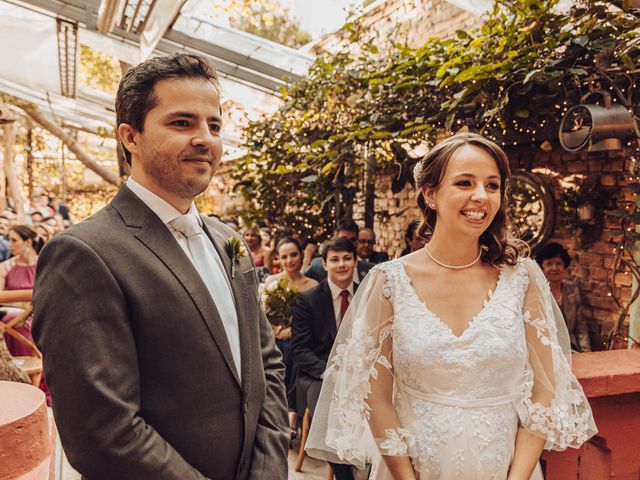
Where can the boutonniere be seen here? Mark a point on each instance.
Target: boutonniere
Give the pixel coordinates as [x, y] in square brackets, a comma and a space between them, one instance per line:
[236, 250]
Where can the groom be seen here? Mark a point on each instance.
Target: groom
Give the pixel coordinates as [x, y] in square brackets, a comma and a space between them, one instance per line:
[159, 359]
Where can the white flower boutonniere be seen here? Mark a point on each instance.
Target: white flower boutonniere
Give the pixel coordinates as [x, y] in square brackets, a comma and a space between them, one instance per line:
[236, 250]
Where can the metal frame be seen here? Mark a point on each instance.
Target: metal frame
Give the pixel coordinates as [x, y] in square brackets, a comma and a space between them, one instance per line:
[242, 67]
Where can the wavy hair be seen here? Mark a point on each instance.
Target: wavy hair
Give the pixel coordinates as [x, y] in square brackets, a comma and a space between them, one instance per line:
[499, 244]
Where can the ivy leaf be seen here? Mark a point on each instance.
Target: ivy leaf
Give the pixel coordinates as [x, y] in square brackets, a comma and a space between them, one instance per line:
[327, 168]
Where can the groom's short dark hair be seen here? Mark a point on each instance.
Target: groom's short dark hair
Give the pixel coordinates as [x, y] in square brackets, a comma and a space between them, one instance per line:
[339, 244]
[136, 93]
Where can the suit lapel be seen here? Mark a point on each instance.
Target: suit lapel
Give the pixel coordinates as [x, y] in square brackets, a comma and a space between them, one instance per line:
[161, 243]
[240, 289]
[328, 313]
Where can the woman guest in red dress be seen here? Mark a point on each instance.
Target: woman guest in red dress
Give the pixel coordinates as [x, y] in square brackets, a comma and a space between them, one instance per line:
[18, 273]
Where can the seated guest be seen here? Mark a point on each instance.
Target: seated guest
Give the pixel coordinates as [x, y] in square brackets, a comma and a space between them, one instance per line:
[19, 273]
[261, 255]
[412, 239]
[316, 319]
[347, 229]
[554, 261]
[289, 254]
[365, 243]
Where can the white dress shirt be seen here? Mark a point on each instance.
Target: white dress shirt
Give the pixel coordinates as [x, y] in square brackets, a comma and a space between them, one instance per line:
[167, 212]
[337, 298]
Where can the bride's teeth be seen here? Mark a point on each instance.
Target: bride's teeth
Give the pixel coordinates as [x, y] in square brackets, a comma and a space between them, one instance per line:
[474, 215]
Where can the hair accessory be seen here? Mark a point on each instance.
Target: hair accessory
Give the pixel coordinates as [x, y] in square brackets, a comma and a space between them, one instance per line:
[453, 267]
[417, 168]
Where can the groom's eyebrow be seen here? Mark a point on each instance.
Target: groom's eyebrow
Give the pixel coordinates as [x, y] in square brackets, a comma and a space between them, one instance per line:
[190, 115]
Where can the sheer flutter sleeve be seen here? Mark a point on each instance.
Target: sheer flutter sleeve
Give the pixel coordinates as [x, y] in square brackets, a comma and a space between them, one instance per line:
[552, 404]
[355, 421]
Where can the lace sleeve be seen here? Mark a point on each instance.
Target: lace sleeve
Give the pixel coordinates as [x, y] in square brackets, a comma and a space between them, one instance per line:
[355, 417]
[553, 405]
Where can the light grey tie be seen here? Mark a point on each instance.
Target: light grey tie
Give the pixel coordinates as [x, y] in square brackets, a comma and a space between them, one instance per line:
[202, 254]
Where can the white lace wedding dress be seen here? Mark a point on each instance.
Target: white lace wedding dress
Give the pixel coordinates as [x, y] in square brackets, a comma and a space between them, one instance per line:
[457, 400]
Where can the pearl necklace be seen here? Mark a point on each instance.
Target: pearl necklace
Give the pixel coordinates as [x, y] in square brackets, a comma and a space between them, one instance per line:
[453, 267]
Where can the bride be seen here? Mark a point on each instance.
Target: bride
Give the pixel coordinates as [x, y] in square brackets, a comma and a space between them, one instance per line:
[453, 362]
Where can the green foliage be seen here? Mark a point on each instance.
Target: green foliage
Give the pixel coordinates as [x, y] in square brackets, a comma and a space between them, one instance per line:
[268, 20]
[509, 79]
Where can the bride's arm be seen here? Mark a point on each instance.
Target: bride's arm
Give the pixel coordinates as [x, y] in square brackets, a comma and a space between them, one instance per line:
[528, 450]
[393, 441]
[383, 422]
[554, 412]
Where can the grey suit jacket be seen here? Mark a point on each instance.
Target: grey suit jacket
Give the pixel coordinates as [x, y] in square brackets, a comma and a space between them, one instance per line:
[138, 362]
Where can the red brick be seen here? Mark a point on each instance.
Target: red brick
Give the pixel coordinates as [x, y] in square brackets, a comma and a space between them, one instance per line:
[613, 165]
[609, 180]
[597, 273]
[577, 166]
[602, 303]
[623, 279]
[595, 166]
[590, 259]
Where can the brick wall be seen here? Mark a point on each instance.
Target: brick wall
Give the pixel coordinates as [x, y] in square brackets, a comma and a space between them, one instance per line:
[590, 262]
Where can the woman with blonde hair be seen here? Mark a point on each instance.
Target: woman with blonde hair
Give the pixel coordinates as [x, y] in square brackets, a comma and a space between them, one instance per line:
[453, 362]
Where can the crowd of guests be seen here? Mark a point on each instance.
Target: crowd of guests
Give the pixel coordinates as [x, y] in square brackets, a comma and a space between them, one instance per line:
[20, 243]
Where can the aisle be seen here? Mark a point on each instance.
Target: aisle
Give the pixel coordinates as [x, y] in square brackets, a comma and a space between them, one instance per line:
[312, 469]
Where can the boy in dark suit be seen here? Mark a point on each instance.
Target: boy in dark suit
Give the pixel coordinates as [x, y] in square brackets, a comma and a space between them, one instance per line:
[316, 319]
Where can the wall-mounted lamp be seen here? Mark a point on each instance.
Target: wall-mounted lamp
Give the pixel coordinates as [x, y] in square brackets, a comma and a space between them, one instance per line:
[593, 127]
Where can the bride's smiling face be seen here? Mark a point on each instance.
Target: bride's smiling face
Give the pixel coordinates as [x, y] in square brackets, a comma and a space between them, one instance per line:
[468, 196]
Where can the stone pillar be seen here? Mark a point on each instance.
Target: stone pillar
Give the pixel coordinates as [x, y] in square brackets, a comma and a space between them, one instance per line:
[25, 435]
[611, 381]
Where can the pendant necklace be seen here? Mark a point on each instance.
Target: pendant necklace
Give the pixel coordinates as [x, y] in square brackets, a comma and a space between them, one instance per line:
[453, 267]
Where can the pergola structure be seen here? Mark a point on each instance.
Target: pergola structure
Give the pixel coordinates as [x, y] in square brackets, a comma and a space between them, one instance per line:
[42, 64]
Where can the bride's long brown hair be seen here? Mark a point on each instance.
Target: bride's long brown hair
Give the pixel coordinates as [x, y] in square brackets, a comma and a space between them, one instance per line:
[500, 245]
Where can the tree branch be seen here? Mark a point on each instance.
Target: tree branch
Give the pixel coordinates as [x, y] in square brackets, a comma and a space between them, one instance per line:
[71, 143]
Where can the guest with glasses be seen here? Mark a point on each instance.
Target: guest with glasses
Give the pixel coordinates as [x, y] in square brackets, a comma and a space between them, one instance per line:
[365, 242]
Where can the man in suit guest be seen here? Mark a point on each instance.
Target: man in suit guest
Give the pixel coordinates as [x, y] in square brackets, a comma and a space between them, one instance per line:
[364, 243]
[348, 229]
[316, 318]
[160, 361]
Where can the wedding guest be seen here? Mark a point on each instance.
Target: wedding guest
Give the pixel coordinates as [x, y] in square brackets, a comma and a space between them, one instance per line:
[365, 242]
[261, 254]
[453, 361]
[36, 217]
[289, 254]
[316, 318]
[413, 241]
[554, 261]
[160, 360]
[18, 273]
[347, 229]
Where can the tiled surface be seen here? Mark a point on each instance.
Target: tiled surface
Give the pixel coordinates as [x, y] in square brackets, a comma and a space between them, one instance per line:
[312, 469]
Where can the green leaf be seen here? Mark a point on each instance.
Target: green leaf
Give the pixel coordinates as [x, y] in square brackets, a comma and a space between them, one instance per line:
[379, 135]
[327, 168]
[309, 178]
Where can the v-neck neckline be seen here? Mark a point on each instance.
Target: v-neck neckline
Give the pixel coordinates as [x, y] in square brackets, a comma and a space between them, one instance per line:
[472, 321]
